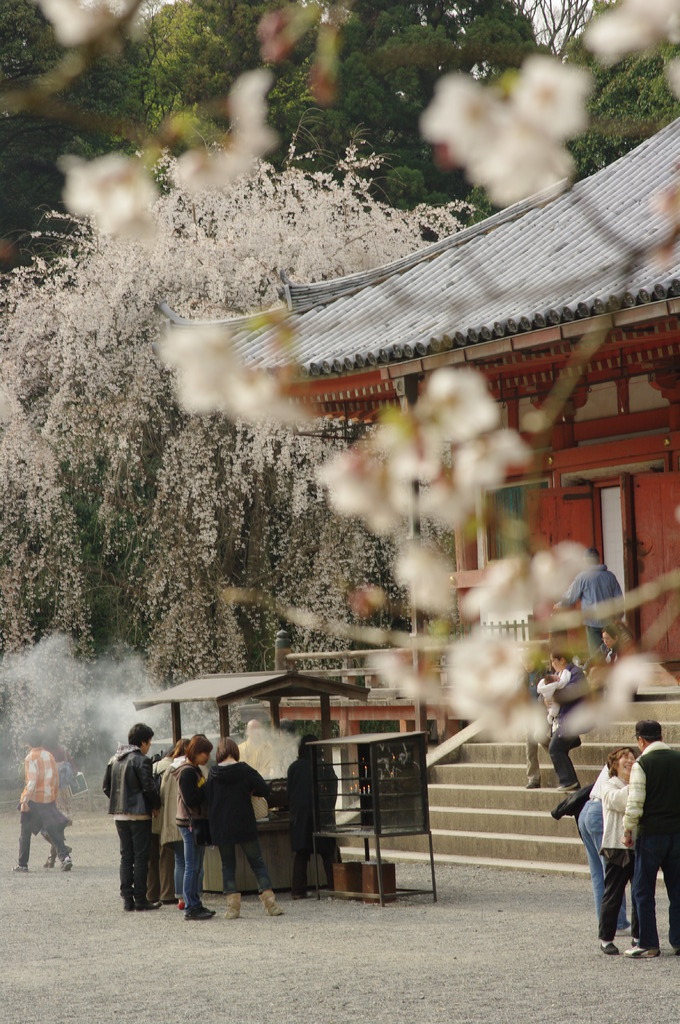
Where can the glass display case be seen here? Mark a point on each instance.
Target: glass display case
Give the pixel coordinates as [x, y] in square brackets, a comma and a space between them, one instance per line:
[372, 786]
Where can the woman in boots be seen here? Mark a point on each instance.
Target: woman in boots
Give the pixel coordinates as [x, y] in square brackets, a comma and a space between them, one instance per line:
[231, 784]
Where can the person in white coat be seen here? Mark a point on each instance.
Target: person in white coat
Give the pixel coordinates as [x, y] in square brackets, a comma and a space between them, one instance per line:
[620, 860]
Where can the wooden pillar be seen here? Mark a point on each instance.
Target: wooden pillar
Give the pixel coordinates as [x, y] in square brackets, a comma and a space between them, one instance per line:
[176, 718]
[274, 711]
[224, 719]
[325, 716]
[407, 389]
[630, 560]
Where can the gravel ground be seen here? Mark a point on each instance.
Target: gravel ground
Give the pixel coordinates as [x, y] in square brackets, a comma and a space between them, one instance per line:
[497, 947]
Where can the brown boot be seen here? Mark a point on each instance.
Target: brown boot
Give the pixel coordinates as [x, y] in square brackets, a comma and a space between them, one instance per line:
[269, 903]
[233, 906]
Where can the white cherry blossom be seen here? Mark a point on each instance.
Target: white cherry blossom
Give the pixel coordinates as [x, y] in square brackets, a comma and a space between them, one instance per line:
[632, 26]
[114, 190]
[250, 138]
[77, 23]
[211, 378]
[427, 574]
[510, 142]
[457, 404]
[486, 680]
[550, 97]
[483, 463]
[522, 582]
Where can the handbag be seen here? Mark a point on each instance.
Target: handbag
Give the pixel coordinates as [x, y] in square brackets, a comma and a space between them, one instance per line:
[201, 832]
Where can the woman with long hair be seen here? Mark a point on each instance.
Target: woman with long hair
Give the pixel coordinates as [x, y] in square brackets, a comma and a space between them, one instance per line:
[192, 822]
[231, 784]
[170, 836]
[619, 859]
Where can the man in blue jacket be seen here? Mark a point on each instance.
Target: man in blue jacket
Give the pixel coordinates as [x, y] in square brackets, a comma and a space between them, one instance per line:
[593, 585]
[133, 798]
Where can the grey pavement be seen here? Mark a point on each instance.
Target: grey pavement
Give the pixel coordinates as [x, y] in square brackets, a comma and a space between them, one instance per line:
[498, 946]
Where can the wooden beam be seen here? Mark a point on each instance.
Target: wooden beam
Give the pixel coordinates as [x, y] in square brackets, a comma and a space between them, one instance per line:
[176, 718]
[223, 710]
[325, 716]
[274, 704]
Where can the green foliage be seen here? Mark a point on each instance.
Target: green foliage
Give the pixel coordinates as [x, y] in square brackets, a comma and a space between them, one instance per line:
[631, 101]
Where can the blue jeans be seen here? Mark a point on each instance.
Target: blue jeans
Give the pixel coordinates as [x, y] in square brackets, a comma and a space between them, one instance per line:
[652, 853]
[590, 826]
[193, 867]
[178, 847]
[253, 855]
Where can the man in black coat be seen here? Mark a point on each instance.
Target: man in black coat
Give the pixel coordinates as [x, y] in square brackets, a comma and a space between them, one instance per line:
[300, 801]
[133, 798]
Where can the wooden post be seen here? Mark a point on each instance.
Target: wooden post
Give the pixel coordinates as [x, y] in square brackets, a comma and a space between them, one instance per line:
[223, 710]
[176, 718]
[325, 716]
[274, 713]
[408, 393]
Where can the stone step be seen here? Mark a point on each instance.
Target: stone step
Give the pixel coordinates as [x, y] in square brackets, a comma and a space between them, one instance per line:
[490, 774]
[468, 843]
[350, 852]
[512, 798]
[500, 820]
[591, 751]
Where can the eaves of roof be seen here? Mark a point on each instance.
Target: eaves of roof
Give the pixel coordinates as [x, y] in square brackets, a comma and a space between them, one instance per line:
[551, 264]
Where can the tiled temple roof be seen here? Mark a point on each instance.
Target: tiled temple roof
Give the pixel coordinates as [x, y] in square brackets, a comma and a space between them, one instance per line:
[549, 260]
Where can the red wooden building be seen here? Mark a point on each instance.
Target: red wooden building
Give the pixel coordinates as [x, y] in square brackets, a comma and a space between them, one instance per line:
[513, 296]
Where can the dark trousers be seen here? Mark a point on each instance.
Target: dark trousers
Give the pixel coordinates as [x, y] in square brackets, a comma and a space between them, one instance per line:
[652, 853]
[253, 854]
[559, 753]
[160, 882]
[135, 840]
[40, 818]
[616, 878]
[298, 882]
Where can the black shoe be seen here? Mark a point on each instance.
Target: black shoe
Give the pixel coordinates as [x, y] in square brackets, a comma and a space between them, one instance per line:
[609, 948]
[533, 784]
[199, 914]
[170, 903]
[66, 863]
[128, 904]
[147, 905]
[20, 869]
[207, 910]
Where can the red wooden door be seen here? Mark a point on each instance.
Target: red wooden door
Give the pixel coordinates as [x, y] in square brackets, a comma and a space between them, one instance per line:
[561, 513]
[657, 545]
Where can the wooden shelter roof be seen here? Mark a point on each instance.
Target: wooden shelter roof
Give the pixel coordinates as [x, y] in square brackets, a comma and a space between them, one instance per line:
[225, 688]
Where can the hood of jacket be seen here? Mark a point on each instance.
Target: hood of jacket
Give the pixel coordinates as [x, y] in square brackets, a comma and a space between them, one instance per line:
[177, 765]
[228, 775]
[124, 749]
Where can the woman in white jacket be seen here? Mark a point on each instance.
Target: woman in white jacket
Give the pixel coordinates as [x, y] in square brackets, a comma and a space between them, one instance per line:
[620, 860]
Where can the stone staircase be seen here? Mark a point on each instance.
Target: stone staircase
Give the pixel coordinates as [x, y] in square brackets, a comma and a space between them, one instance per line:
[481, 813]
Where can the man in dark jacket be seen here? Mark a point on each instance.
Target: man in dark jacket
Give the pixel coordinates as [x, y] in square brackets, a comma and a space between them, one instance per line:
[300, 802]
[133, 798]
[652, 824]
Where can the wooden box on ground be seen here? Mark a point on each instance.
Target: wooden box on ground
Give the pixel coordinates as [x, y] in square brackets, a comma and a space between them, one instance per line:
[369, 880]
[347, 877]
